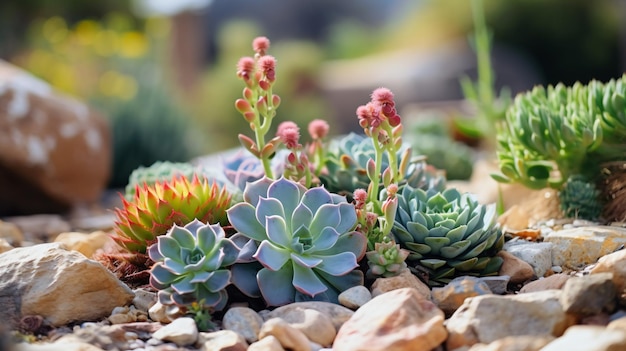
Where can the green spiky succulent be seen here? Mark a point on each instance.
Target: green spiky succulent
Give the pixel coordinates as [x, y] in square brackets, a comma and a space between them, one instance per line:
[448, 233]
[580, 199]
[347, 160]
[303, 238]
[155, 208]
[158, 171]
[386, 260]
[191, 266]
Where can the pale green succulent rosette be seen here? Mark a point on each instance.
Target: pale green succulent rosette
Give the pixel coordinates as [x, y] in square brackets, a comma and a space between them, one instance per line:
[447, 233]
[303, 239]
[192, 265]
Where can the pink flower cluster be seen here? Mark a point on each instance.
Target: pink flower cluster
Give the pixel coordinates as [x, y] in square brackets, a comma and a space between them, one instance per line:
[381, 108]
[259, 70]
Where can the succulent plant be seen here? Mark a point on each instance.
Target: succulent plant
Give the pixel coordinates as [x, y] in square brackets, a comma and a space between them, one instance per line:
[387, 259]
[580, 199]
[447, 233]
[155, 208]
[191, 265]
[347, 166]
[303, 239]
[548, 130]
[158, 171]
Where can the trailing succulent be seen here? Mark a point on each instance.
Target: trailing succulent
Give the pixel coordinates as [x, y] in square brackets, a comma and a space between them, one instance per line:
[155, 208]
[346, 164]
[303, 240]
[192, 265]
[447, 233]
[158, 171]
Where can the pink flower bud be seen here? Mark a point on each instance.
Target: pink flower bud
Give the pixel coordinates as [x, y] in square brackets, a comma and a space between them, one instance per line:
[276, 100]
[260, 45]
[318, 129]
[245, 67]
[243, 106]
[383, 96]
[394, 120]
[249, 117]
[267, 65]
[289, 134]
[248, 94]
[264, 85]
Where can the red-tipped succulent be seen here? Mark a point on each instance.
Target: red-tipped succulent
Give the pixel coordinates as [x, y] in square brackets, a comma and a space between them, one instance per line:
[156, 208]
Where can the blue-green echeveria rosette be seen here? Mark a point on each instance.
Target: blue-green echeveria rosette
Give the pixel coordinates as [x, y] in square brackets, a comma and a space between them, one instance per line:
[304, 240]
[448, 233]
[192, 265]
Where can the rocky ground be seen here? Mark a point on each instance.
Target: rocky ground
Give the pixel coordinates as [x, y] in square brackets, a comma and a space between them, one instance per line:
[562, 287]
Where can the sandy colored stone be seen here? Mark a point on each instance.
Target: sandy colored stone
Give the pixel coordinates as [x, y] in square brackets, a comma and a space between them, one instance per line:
[182, 331]
[315, 325]
[589, 338]
[5, 246]
[403, 280]
[11, 233]
[614, 263]
[288, 336]
[517, 269]
[87, 244]
[338, 314]
[577, 247]
[355, 297]
[487, 318]
[555, 281]
[450, 297]
[222, 340]
[515, 343]
[60, 285]
[398, 320]
[268, 343]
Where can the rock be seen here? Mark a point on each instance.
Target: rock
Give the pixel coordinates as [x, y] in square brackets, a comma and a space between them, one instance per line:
[555, 281]
[244, 321]
[222, 340]
[268, 343]
[11, 233]
[578, 247]
[87, 244]
[515, 343]
[54, 150]
[614, 263]
[5, 246]
[538, 255]
[618, 324]
[405, 279]
[497, 284]
[158, 313]
[589, 338]
[102, 336]
[316, 326]
[182, 331]
[401, 319]
[451, 296]
[288, 336]
[588, 295]
[59, 285]
[355, 297]
[338, 314]
[56, 346]
[487, 318]
[144, 299]
[517, 269]
[40, 228]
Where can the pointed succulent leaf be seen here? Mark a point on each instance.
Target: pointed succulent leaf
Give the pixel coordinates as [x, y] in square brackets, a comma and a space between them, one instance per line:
[268, 207]
[272, 287]
[217, 280]
[316, 197]
[272, 256]
[306, 281]
[242, 217]
[339, 264]
[287, 193]
[256, 189]
[277, 231]
[305, 261]
[327, 215]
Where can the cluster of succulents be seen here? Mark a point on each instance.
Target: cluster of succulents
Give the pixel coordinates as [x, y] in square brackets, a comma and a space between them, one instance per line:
[191, 265]
[304, 240]
[346, 166]
[156, 208]
[447, 233]
[301, 227]
[158, 171]
[551, 134]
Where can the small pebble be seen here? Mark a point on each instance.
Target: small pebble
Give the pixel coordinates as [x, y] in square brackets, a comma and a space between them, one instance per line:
[557, 269]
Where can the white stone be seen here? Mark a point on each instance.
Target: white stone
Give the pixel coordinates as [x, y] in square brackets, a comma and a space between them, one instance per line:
[182, 331]
[355, 297]
[538, 255]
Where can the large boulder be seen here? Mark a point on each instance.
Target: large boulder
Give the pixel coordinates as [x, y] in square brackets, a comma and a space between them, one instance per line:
[54, 150]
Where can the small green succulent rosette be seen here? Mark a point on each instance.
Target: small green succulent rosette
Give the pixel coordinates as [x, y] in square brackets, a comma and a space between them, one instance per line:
[192, 265]
[302, 238]
[447, 233]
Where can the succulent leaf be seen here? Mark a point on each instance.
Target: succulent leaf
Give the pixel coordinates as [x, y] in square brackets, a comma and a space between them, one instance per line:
[191, 265]
[449, 233]
[302, 235]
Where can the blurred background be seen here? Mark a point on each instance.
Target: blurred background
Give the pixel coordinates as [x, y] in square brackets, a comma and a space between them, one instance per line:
[163, 72]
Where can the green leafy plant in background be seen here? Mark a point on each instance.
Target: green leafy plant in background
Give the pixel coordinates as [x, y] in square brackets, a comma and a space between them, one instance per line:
[447, 233]
[304, 240]
[158, 171]
[191, 266]
[489, 107]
